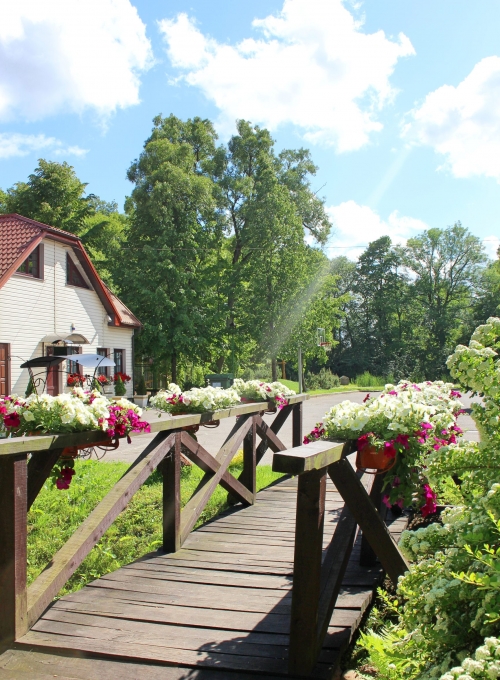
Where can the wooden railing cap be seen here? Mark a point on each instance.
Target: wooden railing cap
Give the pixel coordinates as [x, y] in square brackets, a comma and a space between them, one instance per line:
[312, 456]
[19, 445]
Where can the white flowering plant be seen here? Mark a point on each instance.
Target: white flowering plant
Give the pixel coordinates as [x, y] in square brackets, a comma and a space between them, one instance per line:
[195, 400]
[256, 390]
[449, 601]
[77, 411]
[408, 421]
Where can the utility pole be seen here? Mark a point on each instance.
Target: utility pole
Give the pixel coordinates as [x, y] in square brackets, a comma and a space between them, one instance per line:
[301, 385]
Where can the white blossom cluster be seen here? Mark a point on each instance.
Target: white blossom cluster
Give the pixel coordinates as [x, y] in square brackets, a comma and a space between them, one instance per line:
[256, 389]
[400, 409]
[75, 411]
[195, 400]
[484, 666]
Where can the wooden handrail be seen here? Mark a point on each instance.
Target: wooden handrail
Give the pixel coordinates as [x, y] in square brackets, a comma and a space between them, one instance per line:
[14, 445]
[312, 456]
[318, 573]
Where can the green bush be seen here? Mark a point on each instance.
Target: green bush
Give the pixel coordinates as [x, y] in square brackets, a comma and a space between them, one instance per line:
[141, 386]
[120, 389]
[366, 379]
[258, 372]
[324, 380]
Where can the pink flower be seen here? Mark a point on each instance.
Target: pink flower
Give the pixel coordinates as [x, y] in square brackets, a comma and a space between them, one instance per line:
[12, 420]
[426, 426]
[389, 450]
[416, 387]
[62, 483]
[393, 392]
[430, 501]
[386, 501]
[455, 393]
[366, 398]
[396, 482]
[403, 439]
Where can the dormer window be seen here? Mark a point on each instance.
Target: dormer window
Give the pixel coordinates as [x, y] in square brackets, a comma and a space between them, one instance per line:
[73, 276]
[33, 264]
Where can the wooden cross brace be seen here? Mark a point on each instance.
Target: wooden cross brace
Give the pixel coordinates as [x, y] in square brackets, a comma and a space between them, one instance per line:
[178, 524]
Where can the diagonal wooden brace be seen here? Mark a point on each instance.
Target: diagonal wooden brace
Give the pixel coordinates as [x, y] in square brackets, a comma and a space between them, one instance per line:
[204, 460]
[266, 433]
[194, 507]
[368, 519]
[67, 560]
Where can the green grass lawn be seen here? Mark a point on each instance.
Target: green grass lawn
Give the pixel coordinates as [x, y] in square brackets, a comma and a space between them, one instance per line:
[55, 515]
[334, 390]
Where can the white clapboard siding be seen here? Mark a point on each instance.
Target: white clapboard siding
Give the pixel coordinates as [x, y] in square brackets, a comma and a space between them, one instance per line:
[32, 308]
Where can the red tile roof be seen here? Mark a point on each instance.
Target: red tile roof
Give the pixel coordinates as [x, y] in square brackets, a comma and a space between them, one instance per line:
[15, 238]
[20, 235]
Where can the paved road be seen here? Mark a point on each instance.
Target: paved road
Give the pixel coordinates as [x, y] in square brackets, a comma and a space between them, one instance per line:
[313, 409]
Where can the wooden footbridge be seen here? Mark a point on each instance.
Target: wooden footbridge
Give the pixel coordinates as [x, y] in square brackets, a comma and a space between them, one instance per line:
[273, 587]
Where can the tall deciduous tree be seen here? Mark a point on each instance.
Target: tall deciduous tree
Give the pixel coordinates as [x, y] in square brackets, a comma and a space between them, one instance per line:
[173, 231]
[446, 264]
[269, 206]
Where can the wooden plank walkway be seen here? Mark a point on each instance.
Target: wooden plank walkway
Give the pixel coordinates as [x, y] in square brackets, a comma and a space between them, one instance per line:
[218, 608]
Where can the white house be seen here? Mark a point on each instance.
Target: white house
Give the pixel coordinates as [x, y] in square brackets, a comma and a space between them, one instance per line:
[52, 302]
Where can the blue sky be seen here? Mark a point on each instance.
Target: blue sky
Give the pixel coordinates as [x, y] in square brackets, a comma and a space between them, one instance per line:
[399, 102]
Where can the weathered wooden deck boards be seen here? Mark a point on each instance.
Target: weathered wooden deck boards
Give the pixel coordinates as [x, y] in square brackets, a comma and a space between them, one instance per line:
[219, 608]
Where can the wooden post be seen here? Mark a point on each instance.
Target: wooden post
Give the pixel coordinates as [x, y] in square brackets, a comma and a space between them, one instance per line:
[307, 571]
[13, 551]
[171, 472]
[248, 476]
[39, 469]
[297, 424]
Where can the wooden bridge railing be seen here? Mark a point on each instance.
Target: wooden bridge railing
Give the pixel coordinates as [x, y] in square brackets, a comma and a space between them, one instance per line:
[21, 481]
[318, 574]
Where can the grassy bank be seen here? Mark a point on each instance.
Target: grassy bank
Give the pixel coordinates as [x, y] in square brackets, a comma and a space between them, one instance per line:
[352, 387]
[55, 515]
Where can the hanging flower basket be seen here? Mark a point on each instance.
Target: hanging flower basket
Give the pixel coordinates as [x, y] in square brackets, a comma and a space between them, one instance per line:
[373, 458]
[211, 424]
[107, 444]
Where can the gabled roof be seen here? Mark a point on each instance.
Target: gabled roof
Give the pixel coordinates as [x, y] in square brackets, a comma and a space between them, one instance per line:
[19, 236]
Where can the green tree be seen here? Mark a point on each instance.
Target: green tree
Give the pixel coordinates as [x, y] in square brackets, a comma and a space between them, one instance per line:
[268, 205]
[376, 329]
[54, 195]
[173, 230]
[446, 264]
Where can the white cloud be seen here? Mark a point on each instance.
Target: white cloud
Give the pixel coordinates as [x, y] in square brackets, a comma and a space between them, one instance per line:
[313, 67]
[355, 226]
[68, 56]
[15, 144]
[463, 123]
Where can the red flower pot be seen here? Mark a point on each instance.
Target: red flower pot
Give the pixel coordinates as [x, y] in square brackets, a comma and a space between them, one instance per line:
[374, 459]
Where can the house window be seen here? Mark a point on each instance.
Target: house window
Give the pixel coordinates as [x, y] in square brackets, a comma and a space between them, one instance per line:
[73, 276]
[73, 367]
[102, 370]
[33, 264]
[119, 359]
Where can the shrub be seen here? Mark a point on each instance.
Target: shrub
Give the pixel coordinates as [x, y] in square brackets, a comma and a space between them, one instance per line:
[120, 389]
[366, 379]
[141, 386]
[258, 372]
[324, 380]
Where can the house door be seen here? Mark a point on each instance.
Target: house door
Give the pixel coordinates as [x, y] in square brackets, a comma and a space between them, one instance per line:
[4, 369]
[52, 386]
